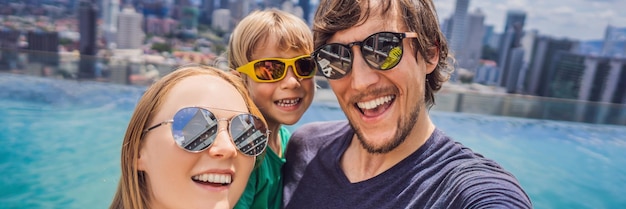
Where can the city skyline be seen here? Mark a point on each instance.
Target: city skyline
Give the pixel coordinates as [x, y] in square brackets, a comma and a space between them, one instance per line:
[574, 19]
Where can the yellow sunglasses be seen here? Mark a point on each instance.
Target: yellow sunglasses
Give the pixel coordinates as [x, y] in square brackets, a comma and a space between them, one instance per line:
[274, 69]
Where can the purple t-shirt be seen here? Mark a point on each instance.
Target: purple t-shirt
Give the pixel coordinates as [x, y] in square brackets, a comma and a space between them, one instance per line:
[440, 174]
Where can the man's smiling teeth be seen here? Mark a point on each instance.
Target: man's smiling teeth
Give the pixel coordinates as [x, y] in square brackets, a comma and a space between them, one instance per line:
[214, 178]
[374, 103]
[288, 102]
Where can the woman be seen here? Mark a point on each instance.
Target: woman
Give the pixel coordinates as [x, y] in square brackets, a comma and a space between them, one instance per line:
[192, 142]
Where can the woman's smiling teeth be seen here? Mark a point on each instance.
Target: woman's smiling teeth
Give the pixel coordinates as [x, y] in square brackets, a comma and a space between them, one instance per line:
[288, 102]
[213, 178]
[374, 103]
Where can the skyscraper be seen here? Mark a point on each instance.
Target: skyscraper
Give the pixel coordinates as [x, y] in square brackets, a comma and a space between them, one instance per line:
[111, 10]
[129, 32]
[511, 38]
[208, 6]
[614, 36]
[44, 47]
[87, 26]
[459, 25]
[470, 52]
[540, 76]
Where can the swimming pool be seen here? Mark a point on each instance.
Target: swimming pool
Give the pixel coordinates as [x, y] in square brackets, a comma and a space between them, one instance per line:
[61, 142]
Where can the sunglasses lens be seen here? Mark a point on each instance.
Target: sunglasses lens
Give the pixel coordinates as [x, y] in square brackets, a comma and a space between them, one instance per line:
[382, 50]
[305, 67]
[194, 129]
[334, 60]
[269, 70]
[248, 132]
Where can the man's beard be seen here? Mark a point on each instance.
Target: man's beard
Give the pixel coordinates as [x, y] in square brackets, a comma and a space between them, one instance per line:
[405, 125]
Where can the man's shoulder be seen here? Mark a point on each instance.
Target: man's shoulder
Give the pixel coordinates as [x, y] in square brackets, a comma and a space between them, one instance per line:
[324, 131]
[313, 136]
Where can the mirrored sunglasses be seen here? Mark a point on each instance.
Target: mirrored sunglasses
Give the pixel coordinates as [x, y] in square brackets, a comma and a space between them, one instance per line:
[194, 129]
[381, 51]
[275, 69]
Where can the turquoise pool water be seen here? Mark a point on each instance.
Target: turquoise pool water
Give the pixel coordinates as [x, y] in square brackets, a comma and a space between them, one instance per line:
[61, 143]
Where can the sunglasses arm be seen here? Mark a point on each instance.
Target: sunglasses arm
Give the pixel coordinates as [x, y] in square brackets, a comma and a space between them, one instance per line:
[157, 125]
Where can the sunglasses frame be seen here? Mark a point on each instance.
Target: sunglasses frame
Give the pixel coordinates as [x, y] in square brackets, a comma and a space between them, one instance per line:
[348, 48]
[249, 70]
[217, 120]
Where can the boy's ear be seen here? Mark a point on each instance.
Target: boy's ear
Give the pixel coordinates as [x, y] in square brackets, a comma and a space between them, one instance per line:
[238, 74]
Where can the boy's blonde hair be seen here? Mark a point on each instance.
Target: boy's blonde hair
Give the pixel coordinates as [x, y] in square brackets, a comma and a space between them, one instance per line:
[254, 30]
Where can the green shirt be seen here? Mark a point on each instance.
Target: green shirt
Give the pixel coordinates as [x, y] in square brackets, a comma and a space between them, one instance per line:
[265, 186]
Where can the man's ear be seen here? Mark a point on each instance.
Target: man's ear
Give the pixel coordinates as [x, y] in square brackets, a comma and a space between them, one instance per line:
[432, 59]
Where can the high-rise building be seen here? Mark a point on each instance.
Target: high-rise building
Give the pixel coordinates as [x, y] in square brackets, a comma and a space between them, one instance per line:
[240, 8]
[8, 47]
[44, 47]
[206, 12]
[539, 76]
[567, 71]
[511, 37]
[188, 20]
[459, 26]
[613, 37]
[129, 32]
[469, 55]
[220, 20]
[87, 46]
[111, 10]
[87, 26]
[487, 73]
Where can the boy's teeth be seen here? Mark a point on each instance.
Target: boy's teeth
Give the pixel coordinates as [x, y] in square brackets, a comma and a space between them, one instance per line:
[288, 102]
[374, 103]
[214, 178]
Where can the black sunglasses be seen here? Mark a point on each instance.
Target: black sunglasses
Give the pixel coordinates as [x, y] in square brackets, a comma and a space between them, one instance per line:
[381, 51]
[194, 129]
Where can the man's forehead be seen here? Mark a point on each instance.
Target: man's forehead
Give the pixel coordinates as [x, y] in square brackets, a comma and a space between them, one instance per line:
[375, 23]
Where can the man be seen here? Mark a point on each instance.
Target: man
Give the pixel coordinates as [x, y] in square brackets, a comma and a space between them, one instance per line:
[384, 60]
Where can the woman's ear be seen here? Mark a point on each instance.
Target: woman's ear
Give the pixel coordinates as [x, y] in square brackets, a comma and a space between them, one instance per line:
[141, 160]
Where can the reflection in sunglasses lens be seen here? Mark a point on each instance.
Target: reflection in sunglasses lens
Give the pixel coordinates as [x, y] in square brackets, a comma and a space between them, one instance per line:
[195, 129]
[269, 70]
[305, 66]
[247, 132]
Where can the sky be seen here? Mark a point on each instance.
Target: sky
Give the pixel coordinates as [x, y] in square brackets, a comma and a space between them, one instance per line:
[574, 19]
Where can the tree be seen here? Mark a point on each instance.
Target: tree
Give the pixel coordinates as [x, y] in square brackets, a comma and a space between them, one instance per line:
[161, 47]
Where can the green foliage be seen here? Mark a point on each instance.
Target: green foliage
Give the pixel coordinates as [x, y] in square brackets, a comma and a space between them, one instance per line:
[65, 41]
[219, 48]
[162, 47]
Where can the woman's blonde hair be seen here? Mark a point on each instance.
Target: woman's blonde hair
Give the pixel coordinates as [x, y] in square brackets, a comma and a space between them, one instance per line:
[132, 191]
[254, 30]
